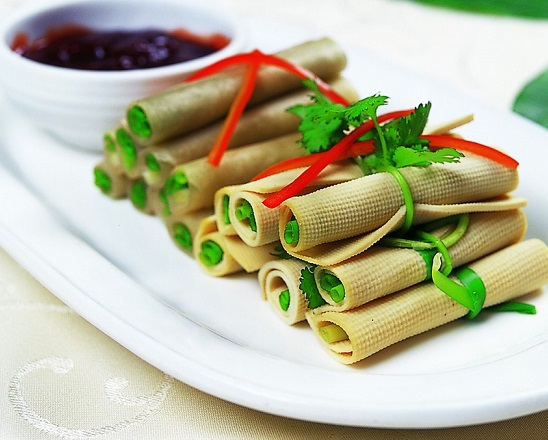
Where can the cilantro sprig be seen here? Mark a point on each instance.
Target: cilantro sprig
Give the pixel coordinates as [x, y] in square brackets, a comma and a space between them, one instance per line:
[398, 142]
[323, 122]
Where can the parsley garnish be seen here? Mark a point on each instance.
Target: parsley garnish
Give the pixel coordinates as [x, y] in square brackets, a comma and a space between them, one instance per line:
[309, 287]
[398, 142]
[323, 123]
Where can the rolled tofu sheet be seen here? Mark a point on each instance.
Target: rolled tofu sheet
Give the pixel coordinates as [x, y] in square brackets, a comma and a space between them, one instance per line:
[193, 105]
[183, 229]
[210, 251]
[383, 270]
[219, 255]
[340, 221]
[143, 198]
[259, 225]
[192, 185]
[271, 116]
[111, 180]
[279, 281]
[355, 334]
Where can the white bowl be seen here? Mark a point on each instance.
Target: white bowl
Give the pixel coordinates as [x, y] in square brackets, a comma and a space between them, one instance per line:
[78, 106]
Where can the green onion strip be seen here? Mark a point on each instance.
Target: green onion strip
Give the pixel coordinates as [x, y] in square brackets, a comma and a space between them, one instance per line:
[407, 197]
[462, 221]
[211, 253]
[333, 285]
[245, 212]
[470, 294]
[225, 203]
[434, 250]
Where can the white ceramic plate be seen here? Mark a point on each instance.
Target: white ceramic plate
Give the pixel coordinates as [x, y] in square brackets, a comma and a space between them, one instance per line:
[119, 270]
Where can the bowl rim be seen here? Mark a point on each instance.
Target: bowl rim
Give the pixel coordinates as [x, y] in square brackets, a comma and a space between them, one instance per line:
[237, 42]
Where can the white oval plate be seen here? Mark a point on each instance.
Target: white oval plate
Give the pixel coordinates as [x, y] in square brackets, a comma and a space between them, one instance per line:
[119, 270]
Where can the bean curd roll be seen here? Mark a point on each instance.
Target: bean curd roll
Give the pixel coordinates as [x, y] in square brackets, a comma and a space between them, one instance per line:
[111, 180]
[280, 285]
[183, 229]
[221, 202]
[193, 105]
[355, 334]
[192, 185]
[383, 270]
[210, 250]
[128, 152]
[271, 116]
[250, 258]
[376, 201]
[255, 223]
[144, 199]
[221, 255]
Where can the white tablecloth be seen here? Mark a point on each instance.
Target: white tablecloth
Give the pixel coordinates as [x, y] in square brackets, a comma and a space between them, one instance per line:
[112, 394]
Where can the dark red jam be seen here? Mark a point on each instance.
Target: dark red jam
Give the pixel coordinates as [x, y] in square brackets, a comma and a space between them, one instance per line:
[79, 48]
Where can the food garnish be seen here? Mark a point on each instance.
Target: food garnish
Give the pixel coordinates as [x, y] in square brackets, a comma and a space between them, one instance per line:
[330, 126]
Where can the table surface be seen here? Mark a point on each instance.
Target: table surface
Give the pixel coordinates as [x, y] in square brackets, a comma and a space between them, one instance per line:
[489, 57]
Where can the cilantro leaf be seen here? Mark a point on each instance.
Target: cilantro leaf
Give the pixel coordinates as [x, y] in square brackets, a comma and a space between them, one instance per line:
[408, 129]
[398, 142]
[405, 157]
[358, 112]
[309, 288]
[402, 132]
[322, 122]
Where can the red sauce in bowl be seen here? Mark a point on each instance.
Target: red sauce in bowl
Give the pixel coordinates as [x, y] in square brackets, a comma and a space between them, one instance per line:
[75, 47]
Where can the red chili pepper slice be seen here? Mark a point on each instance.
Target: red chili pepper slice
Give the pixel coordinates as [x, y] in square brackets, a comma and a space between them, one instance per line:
[218, 66]
[446, 141]
[303, 73]
[256, 56]
[253, 59]
[235, 112]
[357, 149]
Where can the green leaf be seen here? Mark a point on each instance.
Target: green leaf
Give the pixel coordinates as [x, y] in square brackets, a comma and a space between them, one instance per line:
[364, 109]
[532, 100]
[407, 129]
[405, 157]
[310, 289]
[518, 8]
[401, 132]
[322, 121]
[322, 125]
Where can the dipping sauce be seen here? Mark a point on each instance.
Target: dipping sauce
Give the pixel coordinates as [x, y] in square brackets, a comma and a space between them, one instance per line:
[75, 47]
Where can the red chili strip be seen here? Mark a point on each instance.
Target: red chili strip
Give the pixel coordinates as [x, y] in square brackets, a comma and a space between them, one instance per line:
[241, 58]
[328, 157]
[254, 59]
[235, 112]
[357, 149]
[444, 141]
[256, 56]
[303, 73]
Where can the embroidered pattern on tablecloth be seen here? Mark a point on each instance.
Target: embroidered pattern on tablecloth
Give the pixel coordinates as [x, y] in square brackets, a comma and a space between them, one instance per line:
[113, 389]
